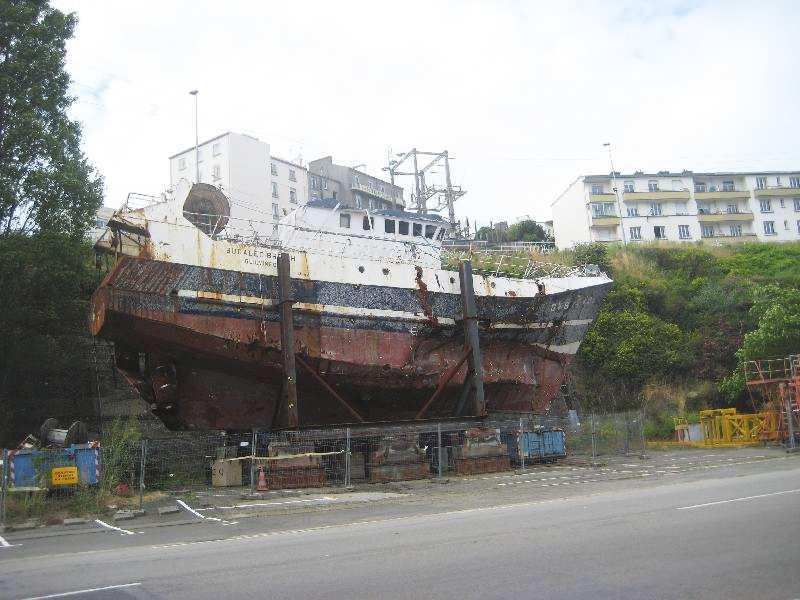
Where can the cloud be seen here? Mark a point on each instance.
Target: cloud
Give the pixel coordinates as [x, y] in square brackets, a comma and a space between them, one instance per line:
[522, 94]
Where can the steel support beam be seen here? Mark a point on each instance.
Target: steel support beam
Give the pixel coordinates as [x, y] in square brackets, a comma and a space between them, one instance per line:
[287, 339]
[330, 390]
[446, 377]
[471, 338]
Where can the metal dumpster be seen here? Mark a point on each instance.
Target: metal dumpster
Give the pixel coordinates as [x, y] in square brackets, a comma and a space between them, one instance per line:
[543, 445]
[57, 467]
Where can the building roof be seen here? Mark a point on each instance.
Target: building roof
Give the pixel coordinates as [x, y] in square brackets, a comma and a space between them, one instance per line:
[208, 141]
[329, 203]
[287, 162]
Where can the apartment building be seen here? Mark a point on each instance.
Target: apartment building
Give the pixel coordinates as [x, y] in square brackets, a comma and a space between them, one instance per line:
[262, 187]
[356, 188]
[714, 208]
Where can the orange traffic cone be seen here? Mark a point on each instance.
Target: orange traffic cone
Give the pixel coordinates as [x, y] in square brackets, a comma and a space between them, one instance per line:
[262, 480]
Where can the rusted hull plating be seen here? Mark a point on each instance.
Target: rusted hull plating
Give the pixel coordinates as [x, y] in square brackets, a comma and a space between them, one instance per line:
[209, 362]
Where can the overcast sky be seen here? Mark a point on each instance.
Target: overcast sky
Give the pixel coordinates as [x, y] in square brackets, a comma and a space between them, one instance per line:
[522, 94]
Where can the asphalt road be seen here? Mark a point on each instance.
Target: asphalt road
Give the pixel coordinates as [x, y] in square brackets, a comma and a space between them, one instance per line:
[723, 537]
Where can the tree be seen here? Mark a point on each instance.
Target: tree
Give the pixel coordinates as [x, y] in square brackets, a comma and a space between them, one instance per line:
[526, 231]
[632, 346]
[592, 254]
[46, 184]
[777, 335]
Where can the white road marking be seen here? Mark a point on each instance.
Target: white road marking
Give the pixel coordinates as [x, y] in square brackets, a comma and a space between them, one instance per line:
[113, 528]
[4, 543]
[86, 591]
[742, 499]
[188, 508]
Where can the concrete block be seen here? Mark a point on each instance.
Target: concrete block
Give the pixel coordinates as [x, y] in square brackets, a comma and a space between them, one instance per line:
[25, 525]
[75, 521]
[168, 510]
[124, 515]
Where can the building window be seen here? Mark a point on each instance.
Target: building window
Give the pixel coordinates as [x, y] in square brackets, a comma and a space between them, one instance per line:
[388, 225]
[683, 232]
[660, 232]
[636, 233]
[314, 196]
[633, 211]
[628, 187]
[766, 205]
[313, 182]
[677, 186]
[430, 231]
[761, 183]
[727, 186]
[215, 149]
[274, 190]
[597, 189]
[273, 169]
[324, 184]
[417, 229]
[783, 205]
[797, 205]
[736, 230]
[215, 172]
[355, 181]
[182, 164]
[786, 225]
[367, 223]
[680, 208]
[274, 211]
[707, 231]
[402, 227]
[344, 221]
[652, 185]
[794, 182]
[769, 227]
[732, 209]
[700, 187]
[604, 209]
[292, 176]
[293, 195]
[655, 209]
[798, 226]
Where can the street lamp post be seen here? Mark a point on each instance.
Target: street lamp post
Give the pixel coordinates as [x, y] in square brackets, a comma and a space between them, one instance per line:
[196, 141]
[617, 192]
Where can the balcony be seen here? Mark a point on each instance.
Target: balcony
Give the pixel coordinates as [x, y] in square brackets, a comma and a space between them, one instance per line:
[778, 191]
[605, 220]
[728, 239]
[659, 195]
[602, 197]
[705, 215]
[721, 195]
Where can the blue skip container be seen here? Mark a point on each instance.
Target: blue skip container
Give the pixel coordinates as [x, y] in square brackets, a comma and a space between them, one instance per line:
[543, 445]
[33, 467]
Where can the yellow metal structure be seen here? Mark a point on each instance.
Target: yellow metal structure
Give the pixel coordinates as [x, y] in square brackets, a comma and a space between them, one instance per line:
[726, 427]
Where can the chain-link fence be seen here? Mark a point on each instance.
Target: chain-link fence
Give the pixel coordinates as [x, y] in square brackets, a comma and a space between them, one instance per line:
[126, 471]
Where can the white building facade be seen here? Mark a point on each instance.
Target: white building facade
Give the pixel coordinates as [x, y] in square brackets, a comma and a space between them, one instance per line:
[714, 208]
[258, 185]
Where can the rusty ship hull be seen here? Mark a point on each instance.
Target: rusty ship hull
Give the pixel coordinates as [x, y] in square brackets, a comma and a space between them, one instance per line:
[203, 345]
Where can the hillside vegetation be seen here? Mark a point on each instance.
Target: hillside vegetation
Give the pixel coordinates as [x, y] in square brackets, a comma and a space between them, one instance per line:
[686, 317]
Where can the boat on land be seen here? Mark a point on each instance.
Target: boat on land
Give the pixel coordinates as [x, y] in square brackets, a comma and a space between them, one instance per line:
[192, 305]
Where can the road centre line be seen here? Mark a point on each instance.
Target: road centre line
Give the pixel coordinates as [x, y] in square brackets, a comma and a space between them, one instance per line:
[86, 591]
[742, 499]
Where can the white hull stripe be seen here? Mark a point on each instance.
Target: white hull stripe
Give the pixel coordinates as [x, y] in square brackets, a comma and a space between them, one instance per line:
[352, 311]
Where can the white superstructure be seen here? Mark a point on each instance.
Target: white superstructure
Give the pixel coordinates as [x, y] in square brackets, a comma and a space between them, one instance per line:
[710, 207]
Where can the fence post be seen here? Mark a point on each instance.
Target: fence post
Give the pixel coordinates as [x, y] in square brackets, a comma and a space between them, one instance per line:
[253, 462]
[594, 444]
[141, 473]
[347, 461]
[641, 429]
[3, 480]
[521, 452]
[439, 449]
[790, 421]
